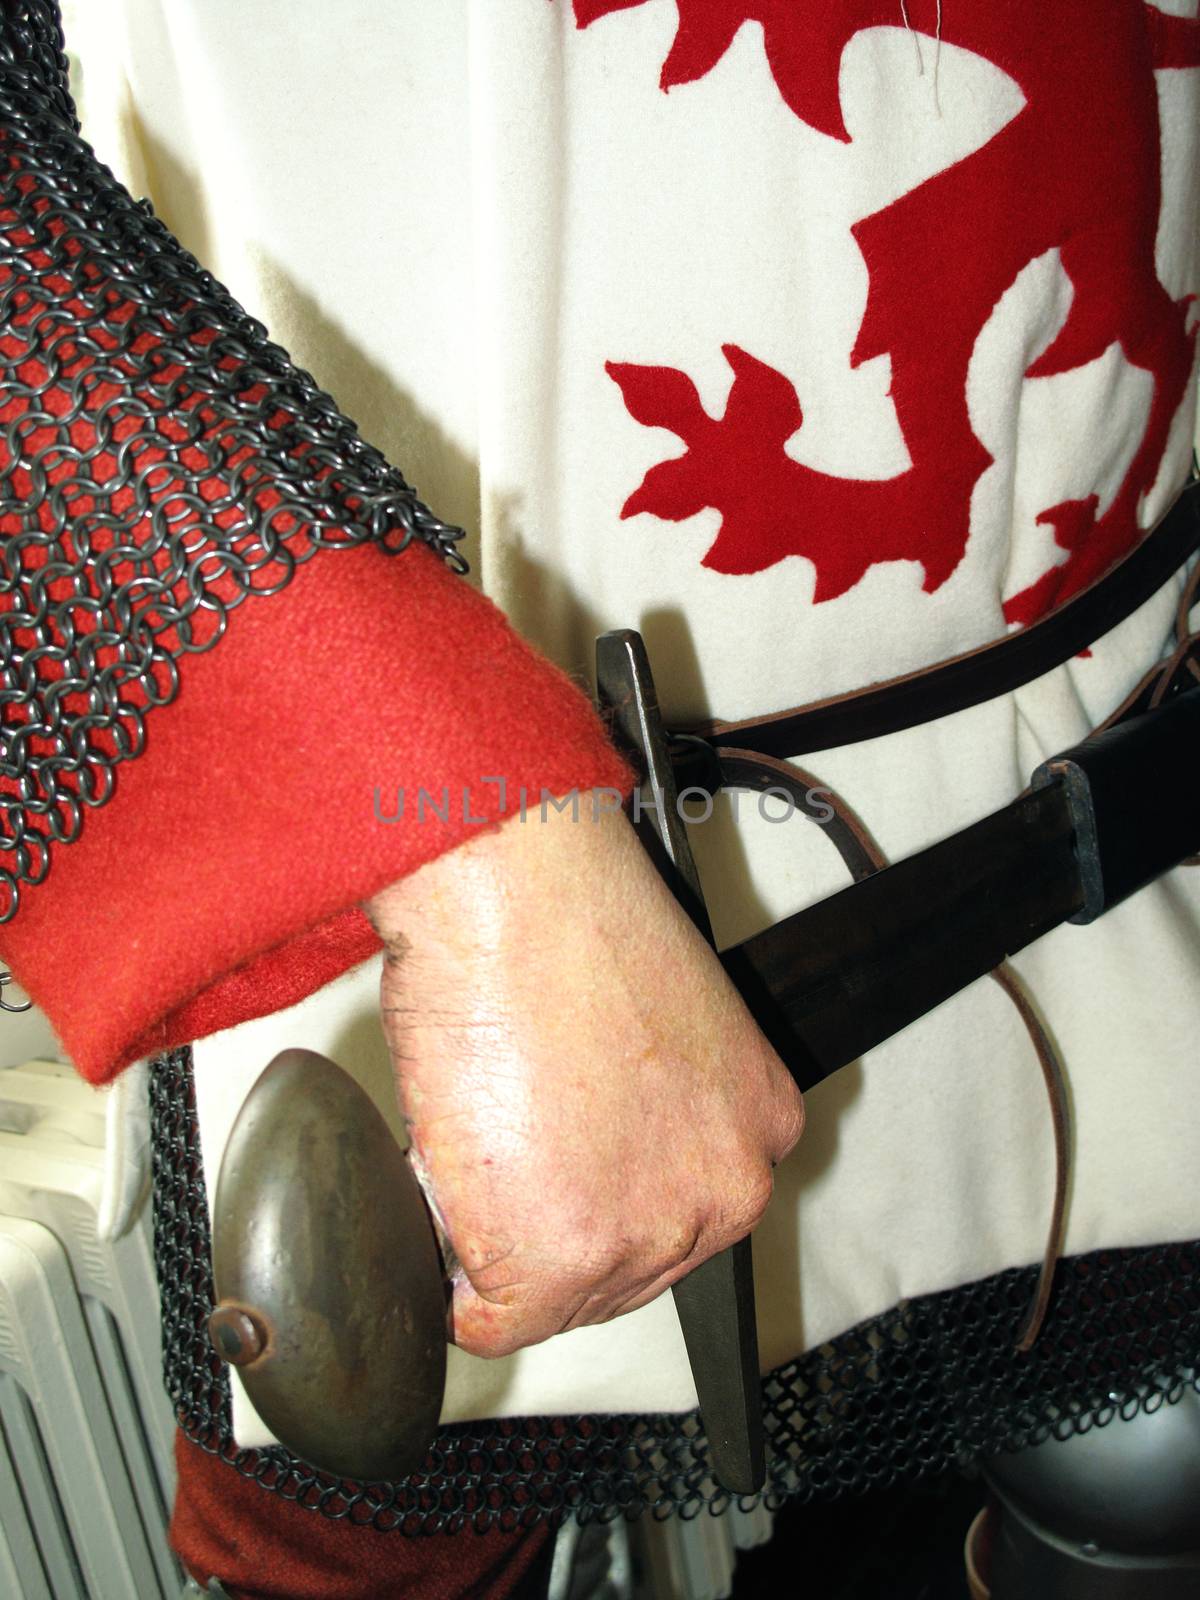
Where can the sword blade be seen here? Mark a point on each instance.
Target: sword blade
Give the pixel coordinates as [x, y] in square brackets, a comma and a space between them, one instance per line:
[836, 979]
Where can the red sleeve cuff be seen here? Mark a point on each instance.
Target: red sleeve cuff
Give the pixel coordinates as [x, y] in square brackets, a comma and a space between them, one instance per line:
[345, 731]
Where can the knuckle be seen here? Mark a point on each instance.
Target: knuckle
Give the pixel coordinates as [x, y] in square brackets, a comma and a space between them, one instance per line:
[737, 1206]
[748, 1200]
[603, 1257]
[489, 1343]
[790, 1123]
[589, 1248]
[682, 1243]
[485, 1327]
[758, 1194]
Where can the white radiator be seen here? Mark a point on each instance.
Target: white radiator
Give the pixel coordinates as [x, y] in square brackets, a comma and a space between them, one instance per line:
[86, 1469]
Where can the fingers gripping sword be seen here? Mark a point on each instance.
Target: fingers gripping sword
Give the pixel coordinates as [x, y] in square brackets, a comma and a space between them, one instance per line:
[331, 1294]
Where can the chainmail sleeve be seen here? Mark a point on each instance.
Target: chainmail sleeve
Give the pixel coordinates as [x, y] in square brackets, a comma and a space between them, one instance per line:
[230, 641]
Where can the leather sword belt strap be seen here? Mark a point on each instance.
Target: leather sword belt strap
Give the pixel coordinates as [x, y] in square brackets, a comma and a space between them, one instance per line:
[963, 680]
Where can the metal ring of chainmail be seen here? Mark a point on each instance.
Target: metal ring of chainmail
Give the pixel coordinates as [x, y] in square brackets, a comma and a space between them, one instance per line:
[161, 461]
[930, 1386]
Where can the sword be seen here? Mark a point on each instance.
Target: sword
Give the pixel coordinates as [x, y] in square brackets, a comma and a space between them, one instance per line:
[341, 1345]
[715, 1302]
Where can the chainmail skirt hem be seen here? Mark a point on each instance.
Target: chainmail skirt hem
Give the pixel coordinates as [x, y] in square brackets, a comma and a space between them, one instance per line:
[933, 1385]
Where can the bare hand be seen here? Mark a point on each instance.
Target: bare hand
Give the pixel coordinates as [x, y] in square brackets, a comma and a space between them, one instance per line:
[589, 1099]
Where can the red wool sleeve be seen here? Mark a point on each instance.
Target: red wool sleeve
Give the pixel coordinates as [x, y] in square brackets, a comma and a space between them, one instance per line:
[345, 731]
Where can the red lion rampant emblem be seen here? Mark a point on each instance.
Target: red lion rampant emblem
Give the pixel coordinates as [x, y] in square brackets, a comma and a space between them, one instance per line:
[1089, 186]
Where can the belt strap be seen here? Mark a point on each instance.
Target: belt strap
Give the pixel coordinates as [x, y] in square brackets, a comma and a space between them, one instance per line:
[976, 675]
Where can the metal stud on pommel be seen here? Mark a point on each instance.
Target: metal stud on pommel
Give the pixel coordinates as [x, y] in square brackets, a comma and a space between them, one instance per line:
[331, 1294]
[237, 1334]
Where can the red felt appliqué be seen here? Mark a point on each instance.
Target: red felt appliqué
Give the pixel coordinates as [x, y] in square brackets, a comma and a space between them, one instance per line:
[1077, 170]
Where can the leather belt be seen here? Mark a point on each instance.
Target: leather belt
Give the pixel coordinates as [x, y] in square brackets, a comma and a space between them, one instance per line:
[963, 680]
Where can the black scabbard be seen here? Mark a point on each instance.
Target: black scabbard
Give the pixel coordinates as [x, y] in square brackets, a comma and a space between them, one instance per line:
[1101, 821]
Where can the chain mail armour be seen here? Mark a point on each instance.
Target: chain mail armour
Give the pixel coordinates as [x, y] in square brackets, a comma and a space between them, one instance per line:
[160, 463]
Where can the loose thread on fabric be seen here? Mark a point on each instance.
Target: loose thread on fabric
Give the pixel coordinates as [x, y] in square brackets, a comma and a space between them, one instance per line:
[937, 50]
[916, 38]
[937, 61]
